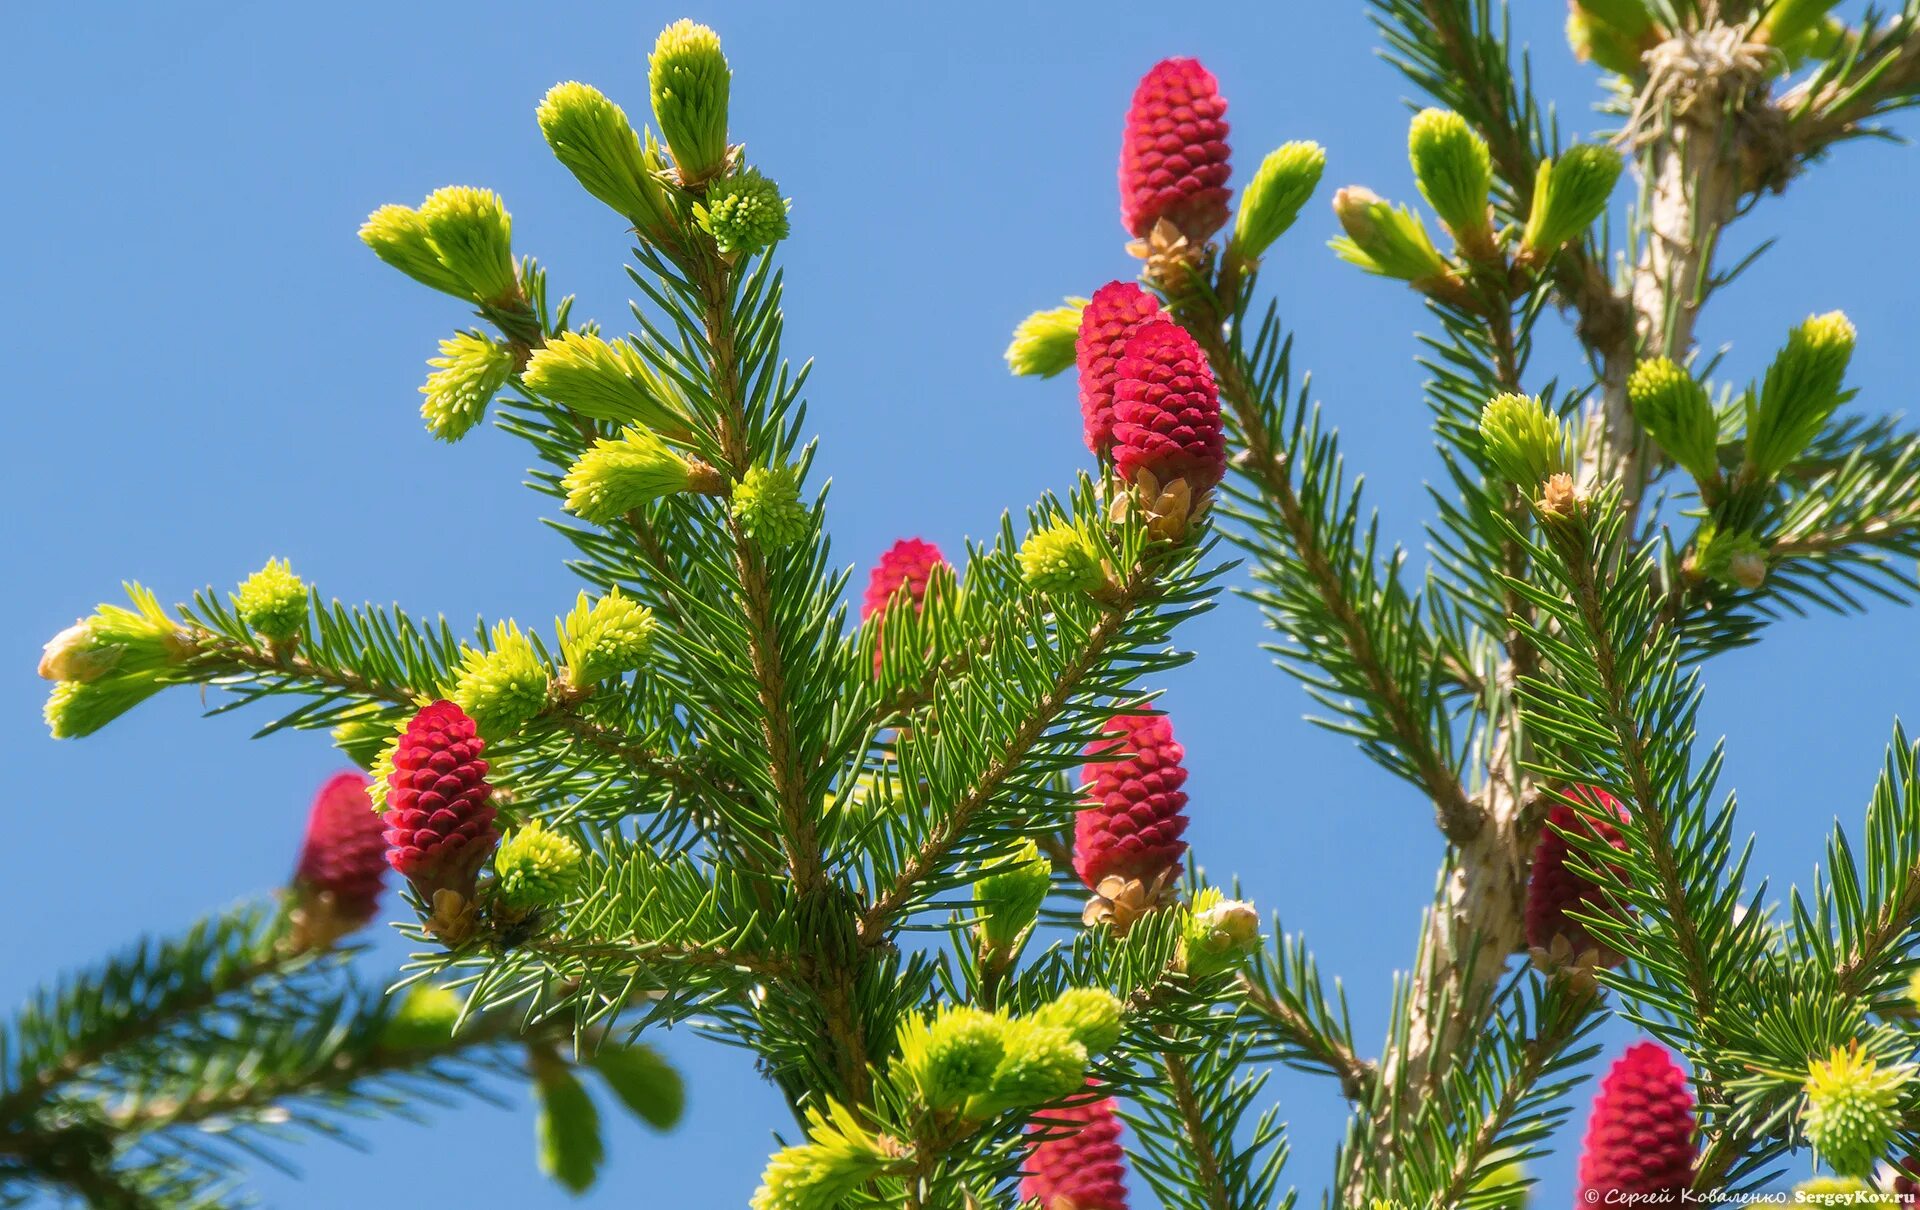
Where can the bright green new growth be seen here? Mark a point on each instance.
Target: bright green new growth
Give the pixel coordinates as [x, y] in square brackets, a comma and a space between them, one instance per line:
[1522, 440]
[1043, 342]
[536, 867]
[567, 1128]
[1384, 239]
[114, 640]
[604, 380]
[1217, 933]
[1730, 556]
[840, 1156]
[689, 82]
[469, 372]
[1852, 1109]
[1038, 1063]
[1675, 411]
[363, 734]
[592, 138]
[1569, 193]
[649, 1088]
[1800, 392]
[620, 474]
[1594, 40]
[1091, 1016]
[1454, 170]
[1060, 559]
[398, 236]
[1275, 195]
[273, 602]
[743, 213]
[767, 504]
[424, 1019]
[1790, 24]
[606, 638]
[77, 708]
[503, 688]
[472, 233]
[952, 1055]
[1629, 17]
[1010, 892]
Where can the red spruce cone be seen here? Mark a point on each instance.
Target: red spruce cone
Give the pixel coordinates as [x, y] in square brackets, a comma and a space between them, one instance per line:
[1114, 313]
[1131, 825]
[1166, 410]
[1640, 1137]
[342, 867]
[907, 565]
[1553, 890]
[1173, 160]
[439, 822]
[1085, 1170]
[1904, 1185]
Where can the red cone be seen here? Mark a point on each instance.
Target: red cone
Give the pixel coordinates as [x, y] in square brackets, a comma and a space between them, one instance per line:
[1553, 889]
[439, 821]
[1084, 1170]
[1166, 410]
[1173, 159]
[1114, 313]
[1640, 1136]
[1135, 809]
[342, 867]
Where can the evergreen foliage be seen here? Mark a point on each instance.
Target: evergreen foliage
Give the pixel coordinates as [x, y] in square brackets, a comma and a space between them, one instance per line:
[846, 847]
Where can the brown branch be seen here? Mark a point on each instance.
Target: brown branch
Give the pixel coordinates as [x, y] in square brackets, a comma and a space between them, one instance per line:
[954, 824]
[1356, 1075]
[1194, 1122]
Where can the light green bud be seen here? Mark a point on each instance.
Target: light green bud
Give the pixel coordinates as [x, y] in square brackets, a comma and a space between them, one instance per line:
[607, 381]
[952, 1055]
[1090, 1015]
[1524, 441]
[1043, 343]
[1384, 239]
[1061, 559]
[1455, 173]
[1275, 196]
[273, 602]
[592, 137]
[423, 1020]
[1675, 411]
[1010, 892]
[743, 213]
[536, 867]
[398, 236]
[1800, 392]
[622, 473]
[606, 638]
[469, 372]
[1569, 193]
[503, 688]
[1039, 1063]
[689, 81]
[472, 234]
[767, 504]
[1217, 933]
[1852, 1111]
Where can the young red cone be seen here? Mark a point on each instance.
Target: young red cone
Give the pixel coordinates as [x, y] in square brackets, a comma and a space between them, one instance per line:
[1126, 840]
[1554, 890]
[439, 820]
[906, 566]
[342, 867]
[1166, 410]
[1115, 312]
[1640, 1136]
[1173, 159]
[1084, 1170]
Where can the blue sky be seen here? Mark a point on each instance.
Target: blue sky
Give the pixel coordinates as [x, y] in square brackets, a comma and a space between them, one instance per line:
[208, 369]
